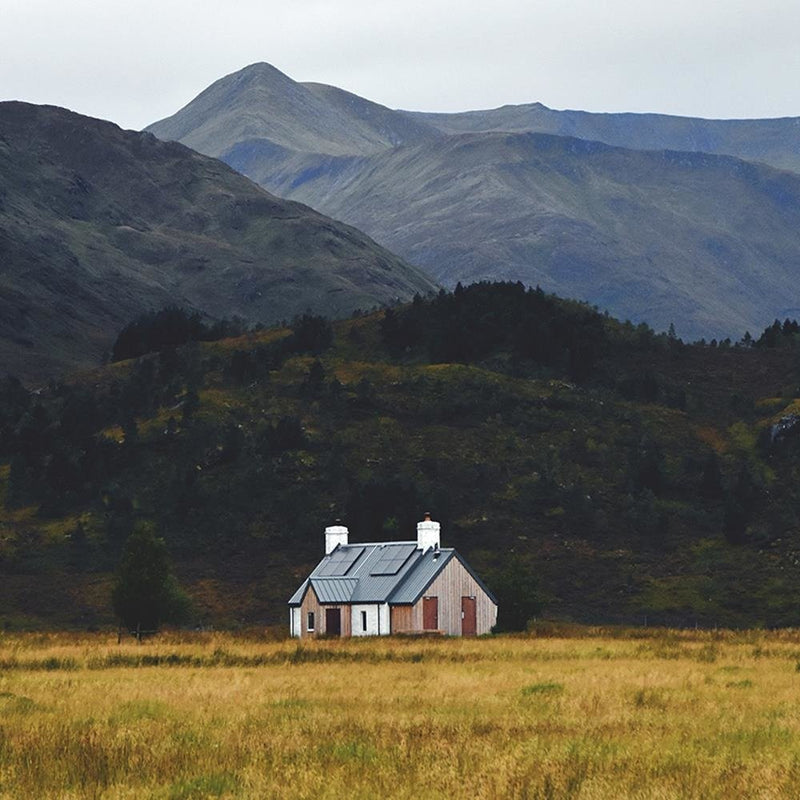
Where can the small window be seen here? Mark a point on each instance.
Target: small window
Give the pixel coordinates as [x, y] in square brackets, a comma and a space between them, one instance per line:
[364, 621]
[310, 625]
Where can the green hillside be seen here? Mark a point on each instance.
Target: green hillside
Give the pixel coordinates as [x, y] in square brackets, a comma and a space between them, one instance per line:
[634, 477]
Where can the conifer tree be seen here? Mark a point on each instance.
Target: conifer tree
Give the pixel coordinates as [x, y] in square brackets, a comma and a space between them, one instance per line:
[145, 594]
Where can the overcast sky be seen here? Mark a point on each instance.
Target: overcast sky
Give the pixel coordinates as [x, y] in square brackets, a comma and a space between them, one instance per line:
[135, 62]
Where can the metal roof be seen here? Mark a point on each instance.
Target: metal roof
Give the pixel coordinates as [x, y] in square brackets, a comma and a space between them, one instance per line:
[359, 573]
[426, 569]
[376, 588]
[297, 597]
[334, 590]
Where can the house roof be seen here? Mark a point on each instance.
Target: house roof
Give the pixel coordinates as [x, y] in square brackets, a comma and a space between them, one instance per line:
[418, 580]
[334, 590]
[378, 572]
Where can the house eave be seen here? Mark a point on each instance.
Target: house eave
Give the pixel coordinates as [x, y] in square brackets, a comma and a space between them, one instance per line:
[297, 598]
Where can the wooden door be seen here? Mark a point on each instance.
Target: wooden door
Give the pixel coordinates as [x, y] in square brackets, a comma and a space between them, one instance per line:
[333, 621]
[430, 613]
[469, 616]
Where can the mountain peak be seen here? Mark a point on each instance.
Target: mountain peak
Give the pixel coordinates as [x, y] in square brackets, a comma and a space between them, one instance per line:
[259, 67]
[259, 106]
[261, 71]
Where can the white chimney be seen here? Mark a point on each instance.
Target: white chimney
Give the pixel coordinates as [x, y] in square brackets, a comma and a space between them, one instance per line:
[427, 533]
[335, 535]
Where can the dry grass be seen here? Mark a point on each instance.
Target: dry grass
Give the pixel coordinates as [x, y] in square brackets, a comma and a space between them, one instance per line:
[580, 714]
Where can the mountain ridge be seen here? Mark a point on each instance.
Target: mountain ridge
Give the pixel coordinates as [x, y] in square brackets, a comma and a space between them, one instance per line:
[773, 140]
[261, 102]
[762, 140]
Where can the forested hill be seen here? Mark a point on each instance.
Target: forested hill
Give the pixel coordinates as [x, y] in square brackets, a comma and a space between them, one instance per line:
[628, 475]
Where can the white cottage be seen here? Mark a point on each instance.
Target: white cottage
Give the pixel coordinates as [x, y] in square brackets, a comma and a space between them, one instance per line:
[380, 588]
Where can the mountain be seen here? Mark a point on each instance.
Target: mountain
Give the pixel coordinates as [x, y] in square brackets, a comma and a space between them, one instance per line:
[625, 473]
[772, 141]
[707, 242]
[98, 225]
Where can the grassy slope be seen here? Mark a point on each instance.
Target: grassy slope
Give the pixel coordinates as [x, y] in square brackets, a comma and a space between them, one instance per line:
[526, 466]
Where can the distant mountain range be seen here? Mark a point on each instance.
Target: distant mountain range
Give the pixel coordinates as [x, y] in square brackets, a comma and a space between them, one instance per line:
[98, 225]
[772, 141]
[655, 218]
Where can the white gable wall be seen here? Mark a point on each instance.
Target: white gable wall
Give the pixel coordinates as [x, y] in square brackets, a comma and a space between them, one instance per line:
[294, 621]
[385, 623]
[359, 613]
[377, 619]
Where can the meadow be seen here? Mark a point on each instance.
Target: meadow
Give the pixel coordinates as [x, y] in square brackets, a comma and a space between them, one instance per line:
[560, 713]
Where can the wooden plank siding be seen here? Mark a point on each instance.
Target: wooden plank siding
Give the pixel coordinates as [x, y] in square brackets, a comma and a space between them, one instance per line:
[453, 583]
[311, 603]
[401, 619]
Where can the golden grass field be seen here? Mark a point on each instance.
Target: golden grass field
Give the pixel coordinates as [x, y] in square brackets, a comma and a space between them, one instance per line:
[581, 713]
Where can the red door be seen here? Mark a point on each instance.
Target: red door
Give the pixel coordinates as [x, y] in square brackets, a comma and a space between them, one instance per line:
[430, 613]
[333, 621]
[469, 616]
